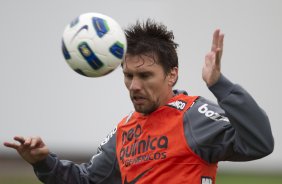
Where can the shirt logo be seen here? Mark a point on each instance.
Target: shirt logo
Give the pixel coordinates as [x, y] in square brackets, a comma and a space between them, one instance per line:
[136, 179]
[137, 148]
[179, 104]
[211, 114]
[206, 180]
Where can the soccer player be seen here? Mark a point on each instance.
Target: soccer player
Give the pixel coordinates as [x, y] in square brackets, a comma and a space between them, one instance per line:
[171, 137]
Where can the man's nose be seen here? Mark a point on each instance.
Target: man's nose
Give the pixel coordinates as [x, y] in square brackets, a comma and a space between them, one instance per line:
[135, 84]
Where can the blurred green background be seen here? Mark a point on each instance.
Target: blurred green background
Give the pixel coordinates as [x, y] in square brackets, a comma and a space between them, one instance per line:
[222, 178]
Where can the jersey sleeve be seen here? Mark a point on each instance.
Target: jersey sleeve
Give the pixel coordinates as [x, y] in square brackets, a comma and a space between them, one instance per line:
[102, 168]
[235, 129]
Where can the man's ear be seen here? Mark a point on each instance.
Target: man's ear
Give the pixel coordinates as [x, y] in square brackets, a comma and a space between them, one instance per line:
[173, 76]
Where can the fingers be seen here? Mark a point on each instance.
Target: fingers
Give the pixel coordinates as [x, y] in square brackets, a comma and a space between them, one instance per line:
[217, 45]
[220, 41]
[29, 142]
[20, 139]
[36, 141]
[217, 41]
[11, 145]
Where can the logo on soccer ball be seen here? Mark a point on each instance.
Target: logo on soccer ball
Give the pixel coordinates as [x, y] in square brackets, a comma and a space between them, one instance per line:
[90, 56]
[84, 50]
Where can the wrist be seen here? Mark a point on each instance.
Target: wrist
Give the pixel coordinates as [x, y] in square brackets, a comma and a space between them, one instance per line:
[221, 88]
[46, 165]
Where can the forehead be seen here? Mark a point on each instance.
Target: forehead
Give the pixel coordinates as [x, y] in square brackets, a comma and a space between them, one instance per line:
[141, 62]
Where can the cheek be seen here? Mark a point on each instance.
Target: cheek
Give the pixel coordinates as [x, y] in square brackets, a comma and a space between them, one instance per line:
[155, 89]
[161, 88]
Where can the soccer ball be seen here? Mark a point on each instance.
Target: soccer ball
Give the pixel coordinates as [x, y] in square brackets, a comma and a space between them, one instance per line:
[94, 44]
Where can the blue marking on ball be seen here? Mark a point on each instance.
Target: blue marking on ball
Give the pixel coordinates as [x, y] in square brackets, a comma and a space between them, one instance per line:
[117, 49]
[90, 56]
[100, 25]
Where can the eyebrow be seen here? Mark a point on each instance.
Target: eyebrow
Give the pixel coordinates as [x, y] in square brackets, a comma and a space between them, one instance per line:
[138, 73]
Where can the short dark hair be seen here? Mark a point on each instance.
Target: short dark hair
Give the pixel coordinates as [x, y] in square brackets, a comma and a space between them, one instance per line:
[153, 38]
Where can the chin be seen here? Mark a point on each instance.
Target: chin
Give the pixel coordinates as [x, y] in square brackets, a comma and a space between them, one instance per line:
[145, 111]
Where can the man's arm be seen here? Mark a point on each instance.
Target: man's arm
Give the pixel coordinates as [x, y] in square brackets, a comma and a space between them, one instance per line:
[237, 130]
[245, 135]
[102, 168]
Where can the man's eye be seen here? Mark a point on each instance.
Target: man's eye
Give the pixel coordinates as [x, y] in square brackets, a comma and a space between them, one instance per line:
[129, 76]
[145, 76]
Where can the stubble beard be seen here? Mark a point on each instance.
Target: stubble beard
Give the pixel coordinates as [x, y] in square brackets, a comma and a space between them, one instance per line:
[146, 109]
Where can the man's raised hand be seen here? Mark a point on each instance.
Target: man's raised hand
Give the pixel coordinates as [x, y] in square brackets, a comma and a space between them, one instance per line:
[31, 149]
[212, 66]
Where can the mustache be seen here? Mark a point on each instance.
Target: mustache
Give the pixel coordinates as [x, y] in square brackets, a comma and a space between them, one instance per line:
[137, 95]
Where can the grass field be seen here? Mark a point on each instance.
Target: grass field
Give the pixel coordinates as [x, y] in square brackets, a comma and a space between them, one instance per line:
[222, 178]
[14, 170]
[227, 178]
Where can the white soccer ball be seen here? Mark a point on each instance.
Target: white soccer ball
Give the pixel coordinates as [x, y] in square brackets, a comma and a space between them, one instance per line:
[94, 44]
